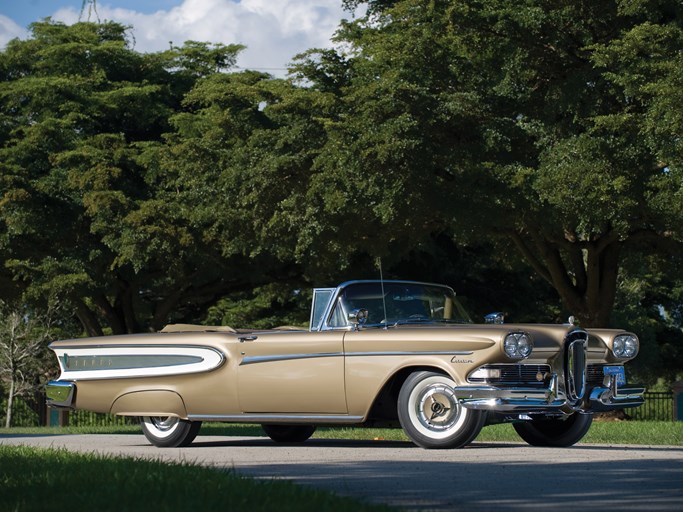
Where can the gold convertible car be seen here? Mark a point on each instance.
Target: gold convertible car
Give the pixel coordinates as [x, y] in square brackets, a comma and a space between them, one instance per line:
[377, 353]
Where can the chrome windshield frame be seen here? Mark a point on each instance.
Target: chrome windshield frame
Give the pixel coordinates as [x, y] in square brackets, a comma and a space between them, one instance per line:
[336, 302]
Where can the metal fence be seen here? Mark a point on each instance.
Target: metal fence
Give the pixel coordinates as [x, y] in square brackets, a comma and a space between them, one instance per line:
[34, 413]
[658, 406]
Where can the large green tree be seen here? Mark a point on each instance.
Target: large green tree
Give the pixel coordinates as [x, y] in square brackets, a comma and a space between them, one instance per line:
[82, 213]
[546, 125]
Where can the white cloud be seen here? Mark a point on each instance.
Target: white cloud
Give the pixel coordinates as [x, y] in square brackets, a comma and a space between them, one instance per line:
[9, 30]
[273, 31]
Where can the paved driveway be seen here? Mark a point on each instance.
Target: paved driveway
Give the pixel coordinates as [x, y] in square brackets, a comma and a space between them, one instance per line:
[480, 477]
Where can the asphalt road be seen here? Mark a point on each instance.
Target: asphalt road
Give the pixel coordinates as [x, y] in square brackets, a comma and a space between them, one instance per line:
[480, 477]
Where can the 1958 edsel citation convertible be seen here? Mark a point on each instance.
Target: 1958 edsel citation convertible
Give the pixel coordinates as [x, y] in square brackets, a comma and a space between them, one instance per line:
[377, 353]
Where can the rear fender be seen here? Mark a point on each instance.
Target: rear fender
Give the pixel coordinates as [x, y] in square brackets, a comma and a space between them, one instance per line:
[150, 403]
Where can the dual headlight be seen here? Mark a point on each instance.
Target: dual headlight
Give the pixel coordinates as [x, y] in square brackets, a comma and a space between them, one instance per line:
[518, 345]
[625, 346]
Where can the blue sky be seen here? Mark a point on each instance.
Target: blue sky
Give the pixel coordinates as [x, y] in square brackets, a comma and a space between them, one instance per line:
[24, 12]
[273, 30]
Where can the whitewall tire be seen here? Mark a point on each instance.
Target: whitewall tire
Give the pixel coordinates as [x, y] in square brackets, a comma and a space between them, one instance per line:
[169, 431]
[430, 414]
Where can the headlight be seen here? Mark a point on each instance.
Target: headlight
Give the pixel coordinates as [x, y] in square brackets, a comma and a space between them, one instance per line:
[518, 345]
[625, 346]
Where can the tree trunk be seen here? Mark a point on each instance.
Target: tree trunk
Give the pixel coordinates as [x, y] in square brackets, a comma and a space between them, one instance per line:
[126, 305]
[584, 274]
[10, 403]
[88, 319]
[163, 309]
[112, 316]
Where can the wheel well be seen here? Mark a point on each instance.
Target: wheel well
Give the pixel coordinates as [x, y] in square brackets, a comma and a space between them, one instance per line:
[152, 402]
[383, 410]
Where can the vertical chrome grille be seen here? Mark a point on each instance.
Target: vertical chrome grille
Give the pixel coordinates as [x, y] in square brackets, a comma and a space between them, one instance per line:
[575, 364]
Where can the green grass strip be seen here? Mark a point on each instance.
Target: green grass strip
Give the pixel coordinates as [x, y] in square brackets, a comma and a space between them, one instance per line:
[34, 479]
[601, 432]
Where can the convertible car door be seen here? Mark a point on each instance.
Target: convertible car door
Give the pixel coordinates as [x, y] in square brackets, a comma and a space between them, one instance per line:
[292, 372]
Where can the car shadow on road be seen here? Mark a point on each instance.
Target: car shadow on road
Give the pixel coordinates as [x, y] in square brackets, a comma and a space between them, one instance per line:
[335, 443]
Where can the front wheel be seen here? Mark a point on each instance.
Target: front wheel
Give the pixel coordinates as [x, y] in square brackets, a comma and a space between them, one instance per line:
[288, 433]
[169, 431]
[431, 415]
[555, 432]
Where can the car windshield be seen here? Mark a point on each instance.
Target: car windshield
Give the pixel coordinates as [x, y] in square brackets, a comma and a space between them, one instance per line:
[398, 303]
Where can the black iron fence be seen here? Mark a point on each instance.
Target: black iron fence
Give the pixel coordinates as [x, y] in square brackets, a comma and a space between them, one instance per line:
[658, 406]
[34, 413]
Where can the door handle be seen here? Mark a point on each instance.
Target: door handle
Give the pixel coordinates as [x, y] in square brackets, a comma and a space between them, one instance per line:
[242, 339]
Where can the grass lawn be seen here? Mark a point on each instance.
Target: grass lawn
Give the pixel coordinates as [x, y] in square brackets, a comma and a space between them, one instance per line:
[34, 479]
[601, 432]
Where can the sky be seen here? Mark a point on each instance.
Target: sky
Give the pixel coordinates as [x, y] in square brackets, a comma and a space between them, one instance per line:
[273, 30]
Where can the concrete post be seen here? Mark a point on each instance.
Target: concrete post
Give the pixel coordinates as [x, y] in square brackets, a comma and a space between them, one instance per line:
[678, 400]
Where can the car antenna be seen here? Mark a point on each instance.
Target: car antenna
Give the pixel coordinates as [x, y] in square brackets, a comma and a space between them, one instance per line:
[381, 282]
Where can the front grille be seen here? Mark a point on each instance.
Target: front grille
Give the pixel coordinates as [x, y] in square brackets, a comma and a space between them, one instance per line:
[575, 364]
[594, 374]
[516, 374]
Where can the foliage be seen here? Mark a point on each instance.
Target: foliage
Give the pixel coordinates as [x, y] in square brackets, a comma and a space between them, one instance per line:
[649, 302]
[514, 121]
[265, 307]
[81, 215]
[528, 154]
[23, 351]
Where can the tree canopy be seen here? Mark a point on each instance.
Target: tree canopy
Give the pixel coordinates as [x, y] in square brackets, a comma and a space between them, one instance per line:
[527, 153]
[548, 125]
[82, 215]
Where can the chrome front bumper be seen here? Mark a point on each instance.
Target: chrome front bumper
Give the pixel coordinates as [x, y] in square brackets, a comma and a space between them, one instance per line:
[522, 400]
[60, 394]
[610, 396]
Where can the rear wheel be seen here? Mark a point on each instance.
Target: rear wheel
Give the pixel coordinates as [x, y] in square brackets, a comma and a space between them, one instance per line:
[555, 432]
[169, 431]
[288, 433]
[431, 415]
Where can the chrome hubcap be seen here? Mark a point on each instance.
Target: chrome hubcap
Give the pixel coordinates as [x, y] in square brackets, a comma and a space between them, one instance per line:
[164, 424]
[437, 408]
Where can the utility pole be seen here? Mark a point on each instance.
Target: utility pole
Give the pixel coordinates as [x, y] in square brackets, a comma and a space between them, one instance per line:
[91, 6]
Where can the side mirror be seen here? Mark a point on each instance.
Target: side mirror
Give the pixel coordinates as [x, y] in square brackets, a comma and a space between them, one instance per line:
[358, 317]
[495, 318]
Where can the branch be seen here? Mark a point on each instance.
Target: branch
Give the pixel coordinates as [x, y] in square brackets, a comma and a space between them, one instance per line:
[529, 255]
[661, 241]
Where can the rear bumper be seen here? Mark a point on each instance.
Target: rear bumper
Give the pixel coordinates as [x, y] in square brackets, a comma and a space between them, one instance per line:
[60, 394]
[521, 400]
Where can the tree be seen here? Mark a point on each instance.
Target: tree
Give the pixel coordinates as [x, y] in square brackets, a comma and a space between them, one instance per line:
[530, 123]
[240, 160]
[82, 214]
[23, 334]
